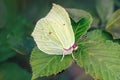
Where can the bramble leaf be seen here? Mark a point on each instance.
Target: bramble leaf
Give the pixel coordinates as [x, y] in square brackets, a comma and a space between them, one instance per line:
[100, 57]
[45, 65]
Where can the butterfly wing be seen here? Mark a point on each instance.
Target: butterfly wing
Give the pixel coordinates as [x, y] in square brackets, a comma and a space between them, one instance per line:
[54, 32]
[61, 24]
[46, 38]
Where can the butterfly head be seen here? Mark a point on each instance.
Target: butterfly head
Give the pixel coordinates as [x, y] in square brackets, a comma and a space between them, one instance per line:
[70, 49]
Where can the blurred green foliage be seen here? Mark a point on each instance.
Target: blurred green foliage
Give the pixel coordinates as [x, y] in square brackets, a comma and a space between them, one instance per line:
[17, 20]
[10, 70]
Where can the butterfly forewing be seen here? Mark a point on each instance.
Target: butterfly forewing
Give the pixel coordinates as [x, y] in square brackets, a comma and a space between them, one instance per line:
[61, 25]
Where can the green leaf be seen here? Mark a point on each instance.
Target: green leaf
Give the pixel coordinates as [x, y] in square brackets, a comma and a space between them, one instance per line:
[113, 25]
[95, 34]
[95, 23]
[81, 21]
[105, 9]
[81, 27]
[77, 14]
[100, 56]
[11, 71]
[44, 64]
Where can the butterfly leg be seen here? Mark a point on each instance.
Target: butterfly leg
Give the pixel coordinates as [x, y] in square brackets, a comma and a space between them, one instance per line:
[73, 57]
[63, 57]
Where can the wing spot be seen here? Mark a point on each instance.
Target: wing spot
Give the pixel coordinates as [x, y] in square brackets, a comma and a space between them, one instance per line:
[64, 24]
[50, 33]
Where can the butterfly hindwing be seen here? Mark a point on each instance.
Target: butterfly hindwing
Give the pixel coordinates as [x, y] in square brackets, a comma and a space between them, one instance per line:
[46, 38]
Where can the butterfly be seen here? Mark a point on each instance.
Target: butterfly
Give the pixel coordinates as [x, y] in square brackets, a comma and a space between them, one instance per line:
[53, 34]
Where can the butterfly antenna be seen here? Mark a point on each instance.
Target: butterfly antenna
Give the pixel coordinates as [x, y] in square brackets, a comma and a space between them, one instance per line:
[81, 39]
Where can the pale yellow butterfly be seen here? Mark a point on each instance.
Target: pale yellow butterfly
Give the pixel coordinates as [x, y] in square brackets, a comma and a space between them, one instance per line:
[53, 34]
